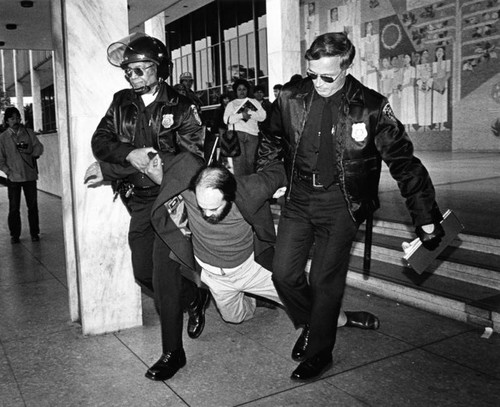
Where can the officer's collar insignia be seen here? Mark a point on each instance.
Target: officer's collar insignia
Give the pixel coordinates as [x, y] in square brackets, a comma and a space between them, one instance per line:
[167, 121]
[359, 132]
[387, 111]
[195, 114]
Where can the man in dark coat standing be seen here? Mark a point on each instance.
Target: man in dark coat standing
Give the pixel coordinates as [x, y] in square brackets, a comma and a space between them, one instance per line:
[149, 119]
[333, 133]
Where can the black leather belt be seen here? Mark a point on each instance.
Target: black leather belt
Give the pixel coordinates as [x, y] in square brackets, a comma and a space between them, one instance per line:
[310, 178]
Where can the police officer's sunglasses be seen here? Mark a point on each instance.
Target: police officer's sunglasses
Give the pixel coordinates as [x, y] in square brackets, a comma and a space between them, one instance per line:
[138, 71]
[324, 78]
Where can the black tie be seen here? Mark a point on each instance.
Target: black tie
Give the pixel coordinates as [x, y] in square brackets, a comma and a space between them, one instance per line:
[326, 158]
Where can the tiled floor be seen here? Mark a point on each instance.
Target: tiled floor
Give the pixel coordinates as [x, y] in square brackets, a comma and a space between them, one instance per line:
[414, 359]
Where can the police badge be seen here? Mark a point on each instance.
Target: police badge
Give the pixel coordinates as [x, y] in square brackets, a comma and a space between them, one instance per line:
[359, 132]
[167, 121]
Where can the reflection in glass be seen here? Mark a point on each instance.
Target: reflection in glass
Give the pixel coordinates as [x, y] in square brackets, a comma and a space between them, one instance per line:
[225, 45]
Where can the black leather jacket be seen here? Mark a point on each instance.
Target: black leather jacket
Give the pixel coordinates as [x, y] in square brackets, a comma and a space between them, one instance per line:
[175, 122]
[367, 133]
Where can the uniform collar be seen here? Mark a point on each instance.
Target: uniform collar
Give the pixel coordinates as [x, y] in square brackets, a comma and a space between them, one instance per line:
[165, 95]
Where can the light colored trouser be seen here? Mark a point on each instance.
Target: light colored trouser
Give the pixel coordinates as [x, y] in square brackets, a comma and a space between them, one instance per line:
[229, 285]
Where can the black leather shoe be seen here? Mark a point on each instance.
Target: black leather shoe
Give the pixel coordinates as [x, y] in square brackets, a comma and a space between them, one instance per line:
[196, 311]
[167, 366]
[35, 238]
[299, 350]
[313, 368]
[15, 240]
[362, 319]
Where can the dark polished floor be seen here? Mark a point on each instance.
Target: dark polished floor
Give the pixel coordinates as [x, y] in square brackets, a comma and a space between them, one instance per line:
[415, 359]
[467, 183]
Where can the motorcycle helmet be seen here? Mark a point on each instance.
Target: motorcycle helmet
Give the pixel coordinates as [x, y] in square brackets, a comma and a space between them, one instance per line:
[138, 47]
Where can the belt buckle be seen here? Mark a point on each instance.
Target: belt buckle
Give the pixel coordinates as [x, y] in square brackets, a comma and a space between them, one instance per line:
[315, 183]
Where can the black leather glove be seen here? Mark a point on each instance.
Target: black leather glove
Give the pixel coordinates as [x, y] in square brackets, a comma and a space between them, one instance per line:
[430, 240]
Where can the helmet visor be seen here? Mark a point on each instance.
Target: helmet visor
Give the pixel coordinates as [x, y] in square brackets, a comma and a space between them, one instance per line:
[128, 50]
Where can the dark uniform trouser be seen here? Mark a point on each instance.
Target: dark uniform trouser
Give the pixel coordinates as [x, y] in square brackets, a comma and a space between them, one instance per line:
[30, 195]
[153, 268]
[321, 217]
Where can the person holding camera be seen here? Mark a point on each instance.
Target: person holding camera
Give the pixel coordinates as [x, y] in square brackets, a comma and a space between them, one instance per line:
[19, 150]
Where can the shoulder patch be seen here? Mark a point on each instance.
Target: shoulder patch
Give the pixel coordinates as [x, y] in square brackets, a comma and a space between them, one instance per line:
[195, 114]
[387, 111]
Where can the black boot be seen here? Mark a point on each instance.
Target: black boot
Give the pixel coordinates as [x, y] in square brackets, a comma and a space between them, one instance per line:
[299, 350]
[196, 312]
[312, 368]
[167, 366]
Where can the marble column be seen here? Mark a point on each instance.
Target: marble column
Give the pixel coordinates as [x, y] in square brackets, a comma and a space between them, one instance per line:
[2, 63]
[283, 41]
[155, 27]
[102, 291]
[18, 86]
[37, 96]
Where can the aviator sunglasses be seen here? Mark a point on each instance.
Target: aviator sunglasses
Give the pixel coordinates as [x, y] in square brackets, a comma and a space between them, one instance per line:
[324, 78]
[137, 71]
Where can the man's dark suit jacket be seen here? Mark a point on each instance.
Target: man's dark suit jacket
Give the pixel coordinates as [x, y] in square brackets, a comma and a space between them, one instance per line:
[252, 199]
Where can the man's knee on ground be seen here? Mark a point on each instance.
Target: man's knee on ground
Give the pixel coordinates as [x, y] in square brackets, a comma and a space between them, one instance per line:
[236, 318]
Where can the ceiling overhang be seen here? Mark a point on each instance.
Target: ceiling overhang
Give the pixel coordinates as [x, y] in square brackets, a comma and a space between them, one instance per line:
[34, 25]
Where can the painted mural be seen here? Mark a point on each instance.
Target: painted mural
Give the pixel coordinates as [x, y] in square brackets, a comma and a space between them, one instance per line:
[480, 39]
[409, 50]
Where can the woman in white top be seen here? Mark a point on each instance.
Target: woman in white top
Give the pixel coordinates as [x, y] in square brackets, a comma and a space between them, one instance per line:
[244, 113]
[408, 114]
[441, 72]
[424, 92]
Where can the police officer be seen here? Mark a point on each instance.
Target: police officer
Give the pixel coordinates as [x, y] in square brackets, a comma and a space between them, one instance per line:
[148, 119]
[333, 134]
[186, 79]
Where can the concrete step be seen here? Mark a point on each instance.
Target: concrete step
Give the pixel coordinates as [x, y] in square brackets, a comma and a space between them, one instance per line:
[462, 301]
[445, 296]
[463, 283]
[465, 241]
[454, 262]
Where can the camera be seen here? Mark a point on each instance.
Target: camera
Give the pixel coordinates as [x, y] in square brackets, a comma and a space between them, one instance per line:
[22, 145]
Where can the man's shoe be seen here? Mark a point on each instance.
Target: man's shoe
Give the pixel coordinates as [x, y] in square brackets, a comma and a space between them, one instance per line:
[167, 366]
[35, 238]
[299, 350]
[313, 368]
[362, 319]
[196, 312]
[15, 240]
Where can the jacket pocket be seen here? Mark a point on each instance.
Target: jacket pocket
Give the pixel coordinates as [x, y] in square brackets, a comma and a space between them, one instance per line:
[361, 181]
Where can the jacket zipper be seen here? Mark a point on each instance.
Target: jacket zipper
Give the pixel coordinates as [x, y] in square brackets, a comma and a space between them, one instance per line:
[303, 124]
